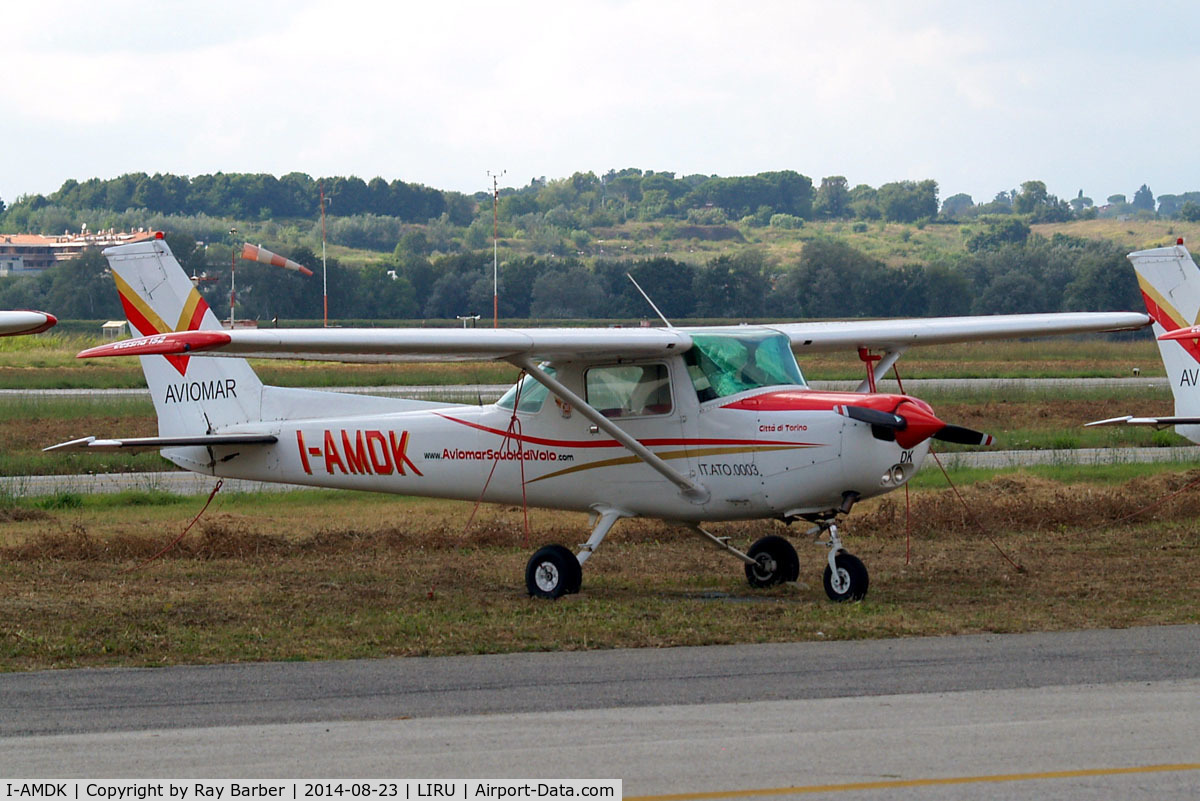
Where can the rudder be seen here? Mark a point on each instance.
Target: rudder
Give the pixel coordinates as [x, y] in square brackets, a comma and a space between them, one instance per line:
[191, 395]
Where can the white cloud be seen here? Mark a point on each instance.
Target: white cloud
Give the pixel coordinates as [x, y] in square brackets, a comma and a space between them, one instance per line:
[977, 97]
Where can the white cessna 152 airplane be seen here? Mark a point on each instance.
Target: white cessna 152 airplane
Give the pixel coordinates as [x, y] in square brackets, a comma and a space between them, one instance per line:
[1170, 284]
[17, 323]
[682, 424]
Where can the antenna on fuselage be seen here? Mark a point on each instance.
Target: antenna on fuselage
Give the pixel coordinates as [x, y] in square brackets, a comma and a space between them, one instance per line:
[647, 297]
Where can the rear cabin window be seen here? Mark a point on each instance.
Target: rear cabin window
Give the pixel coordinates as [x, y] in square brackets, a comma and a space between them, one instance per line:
[629, 390]
[726, 364]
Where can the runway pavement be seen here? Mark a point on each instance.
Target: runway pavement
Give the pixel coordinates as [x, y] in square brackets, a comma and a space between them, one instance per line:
[1094, 714]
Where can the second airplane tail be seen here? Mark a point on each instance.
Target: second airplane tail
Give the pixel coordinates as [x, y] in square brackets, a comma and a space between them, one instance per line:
[1170, 285]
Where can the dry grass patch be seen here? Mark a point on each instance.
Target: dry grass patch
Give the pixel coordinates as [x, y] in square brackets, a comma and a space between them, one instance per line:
[335, 575]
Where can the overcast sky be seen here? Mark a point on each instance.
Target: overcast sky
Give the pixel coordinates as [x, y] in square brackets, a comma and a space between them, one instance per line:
[1098, 96]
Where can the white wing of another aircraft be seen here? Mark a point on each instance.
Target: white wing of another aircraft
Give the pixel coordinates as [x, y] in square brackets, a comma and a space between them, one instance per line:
[16, 323]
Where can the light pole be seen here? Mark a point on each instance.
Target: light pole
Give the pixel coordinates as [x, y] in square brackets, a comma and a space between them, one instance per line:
[495, 248]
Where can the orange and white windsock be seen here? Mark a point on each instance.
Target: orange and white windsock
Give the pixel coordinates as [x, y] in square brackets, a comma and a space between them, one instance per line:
[261, 254]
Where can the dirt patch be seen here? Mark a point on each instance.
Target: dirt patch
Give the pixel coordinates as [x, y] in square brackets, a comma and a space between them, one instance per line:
[17, 514]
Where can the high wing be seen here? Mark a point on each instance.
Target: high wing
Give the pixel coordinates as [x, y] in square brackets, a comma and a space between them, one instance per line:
[408, 344]
[897, 335]
[15, 323]
[463, 344]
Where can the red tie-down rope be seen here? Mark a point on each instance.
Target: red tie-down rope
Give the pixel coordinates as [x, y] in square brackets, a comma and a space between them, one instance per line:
[1118, 521]
[1146, 508]
[907, 501]
[186, 529]
[514, 432]
[957, 494]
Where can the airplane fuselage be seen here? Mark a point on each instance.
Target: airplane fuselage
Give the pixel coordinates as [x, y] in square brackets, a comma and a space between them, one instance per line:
[776, 451]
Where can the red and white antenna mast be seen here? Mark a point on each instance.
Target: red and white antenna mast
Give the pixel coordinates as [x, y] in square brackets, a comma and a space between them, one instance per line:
[324, 272]
[232, 275]
[496, 247]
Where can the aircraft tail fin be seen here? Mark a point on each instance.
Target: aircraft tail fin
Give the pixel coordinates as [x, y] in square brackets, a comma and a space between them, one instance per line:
[192, 396]
[1170, 285]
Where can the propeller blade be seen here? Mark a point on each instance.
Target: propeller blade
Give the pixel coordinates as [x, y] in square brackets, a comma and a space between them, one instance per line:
[963, 436]
[875, 417]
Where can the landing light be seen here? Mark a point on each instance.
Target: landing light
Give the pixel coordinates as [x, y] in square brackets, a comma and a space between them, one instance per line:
[893, 477]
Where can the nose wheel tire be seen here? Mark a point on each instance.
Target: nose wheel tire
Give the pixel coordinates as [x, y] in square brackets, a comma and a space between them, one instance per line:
[553, 572]
[775, 562]
[850, 581]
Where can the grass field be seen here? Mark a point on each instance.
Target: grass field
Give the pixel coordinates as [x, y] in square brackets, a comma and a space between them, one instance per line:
[321, 575]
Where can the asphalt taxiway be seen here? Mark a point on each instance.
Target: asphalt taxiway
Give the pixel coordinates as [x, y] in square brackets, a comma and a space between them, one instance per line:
[1066, 715]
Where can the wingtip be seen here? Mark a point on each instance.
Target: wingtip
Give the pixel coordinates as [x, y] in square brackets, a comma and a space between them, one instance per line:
[22, 323]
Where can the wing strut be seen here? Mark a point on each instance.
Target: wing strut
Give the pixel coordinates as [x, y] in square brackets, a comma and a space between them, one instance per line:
[694, 492]
[881, 365]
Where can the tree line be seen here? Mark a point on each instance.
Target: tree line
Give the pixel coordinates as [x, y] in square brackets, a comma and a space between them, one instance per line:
[582, 202]
[1005, 270]
[247, 196]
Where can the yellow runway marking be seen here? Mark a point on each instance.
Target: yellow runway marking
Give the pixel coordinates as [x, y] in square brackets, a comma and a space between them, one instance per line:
[887, 785]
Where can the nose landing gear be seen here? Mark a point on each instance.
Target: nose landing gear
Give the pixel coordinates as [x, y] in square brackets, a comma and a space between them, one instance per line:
[846, 577]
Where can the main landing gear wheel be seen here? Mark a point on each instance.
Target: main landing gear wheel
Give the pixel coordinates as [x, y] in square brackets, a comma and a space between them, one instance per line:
[775, 562]
[850, 581]
[552, 572]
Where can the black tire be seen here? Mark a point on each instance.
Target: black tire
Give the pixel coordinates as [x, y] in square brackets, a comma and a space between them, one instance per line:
[776, 562]
[553, 572]
[852, 571]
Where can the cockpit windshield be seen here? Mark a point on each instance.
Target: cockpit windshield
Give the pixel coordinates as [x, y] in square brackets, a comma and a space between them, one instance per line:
[530, 393]
[727, 363]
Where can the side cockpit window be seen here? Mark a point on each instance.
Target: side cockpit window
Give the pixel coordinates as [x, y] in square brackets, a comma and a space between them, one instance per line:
[629, 390]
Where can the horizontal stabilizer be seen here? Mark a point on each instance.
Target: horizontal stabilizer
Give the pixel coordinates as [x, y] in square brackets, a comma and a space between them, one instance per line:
[154, 443]
[1157, 422]
[1191, 332]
